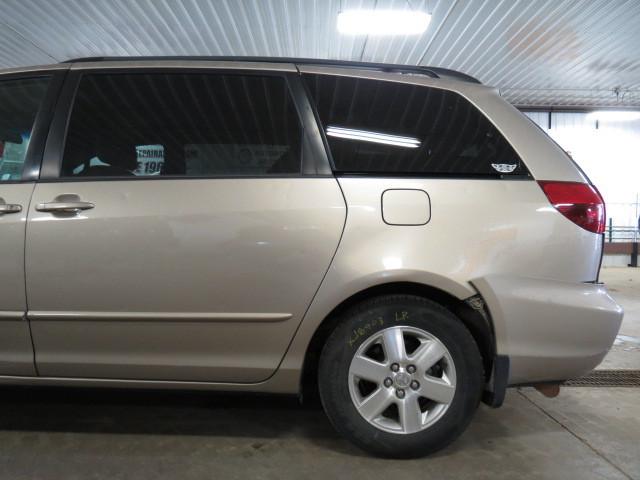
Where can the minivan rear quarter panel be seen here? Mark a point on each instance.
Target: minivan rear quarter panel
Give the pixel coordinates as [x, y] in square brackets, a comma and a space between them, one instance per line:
[478, 228]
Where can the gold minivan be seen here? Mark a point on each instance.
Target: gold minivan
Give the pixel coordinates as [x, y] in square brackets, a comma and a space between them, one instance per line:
[400, 240]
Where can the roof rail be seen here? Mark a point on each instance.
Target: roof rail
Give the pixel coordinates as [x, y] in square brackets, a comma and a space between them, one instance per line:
[433, 72]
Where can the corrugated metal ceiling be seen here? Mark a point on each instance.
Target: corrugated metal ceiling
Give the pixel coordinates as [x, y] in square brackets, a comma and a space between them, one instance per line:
[538, 52]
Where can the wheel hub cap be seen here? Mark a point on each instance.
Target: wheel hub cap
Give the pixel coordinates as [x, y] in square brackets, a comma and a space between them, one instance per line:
[402, 380]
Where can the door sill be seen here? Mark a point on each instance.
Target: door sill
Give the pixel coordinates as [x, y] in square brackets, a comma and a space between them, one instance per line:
[118, 383]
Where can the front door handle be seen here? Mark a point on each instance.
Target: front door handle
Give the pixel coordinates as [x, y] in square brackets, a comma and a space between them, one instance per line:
[65, 203]
[9, 207]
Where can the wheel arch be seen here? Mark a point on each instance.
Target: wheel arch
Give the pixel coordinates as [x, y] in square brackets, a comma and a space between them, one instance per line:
[470, 311]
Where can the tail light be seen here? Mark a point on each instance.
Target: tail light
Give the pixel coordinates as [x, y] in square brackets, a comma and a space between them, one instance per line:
[579, 202]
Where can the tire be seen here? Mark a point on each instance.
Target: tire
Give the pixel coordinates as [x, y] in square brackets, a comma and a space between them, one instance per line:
[357, 360]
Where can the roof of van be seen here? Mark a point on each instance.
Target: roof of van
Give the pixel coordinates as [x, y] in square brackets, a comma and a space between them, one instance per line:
[433, 72]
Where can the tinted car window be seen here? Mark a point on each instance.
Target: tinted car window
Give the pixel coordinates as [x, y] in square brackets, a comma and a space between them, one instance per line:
[182, 125]
[385, 127]
[20, 100]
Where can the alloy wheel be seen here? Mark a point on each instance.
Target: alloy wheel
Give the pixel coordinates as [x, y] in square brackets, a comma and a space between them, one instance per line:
[402, 379]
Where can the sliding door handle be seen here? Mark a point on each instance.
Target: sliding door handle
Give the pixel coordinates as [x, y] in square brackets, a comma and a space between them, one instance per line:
[64, 207]
[65, 203]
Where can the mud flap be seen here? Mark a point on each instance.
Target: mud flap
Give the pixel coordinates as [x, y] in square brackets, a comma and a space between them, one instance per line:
[494, 397]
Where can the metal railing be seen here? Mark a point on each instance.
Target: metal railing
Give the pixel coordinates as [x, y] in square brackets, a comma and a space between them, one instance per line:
[621, 234]
[624, 235]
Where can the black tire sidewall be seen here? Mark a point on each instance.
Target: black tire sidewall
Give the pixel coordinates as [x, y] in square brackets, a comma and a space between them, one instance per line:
[359, 324]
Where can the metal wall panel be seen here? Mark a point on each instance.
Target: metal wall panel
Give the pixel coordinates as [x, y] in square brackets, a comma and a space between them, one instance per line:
[607, 154]
[538, 52]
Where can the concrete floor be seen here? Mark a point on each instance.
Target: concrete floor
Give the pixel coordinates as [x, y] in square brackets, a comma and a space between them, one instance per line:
[585, 433]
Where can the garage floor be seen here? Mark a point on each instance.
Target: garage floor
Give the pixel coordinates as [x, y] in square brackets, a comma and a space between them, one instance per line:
[78, 434]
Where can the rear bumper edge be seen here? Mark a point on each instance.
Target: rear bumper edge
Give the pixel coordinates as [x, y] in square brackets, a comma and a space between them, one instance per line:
[550, 330]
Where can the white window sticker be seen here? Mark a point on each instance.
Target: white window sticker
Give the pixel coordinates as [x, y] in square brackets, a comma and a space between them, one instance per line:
[504, 167]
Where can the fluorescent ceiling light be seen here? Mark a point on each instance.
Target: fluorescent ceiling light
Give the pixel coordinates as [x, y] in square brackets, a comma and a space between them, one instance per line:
[373, 137]
[614, 115]
[383, 22]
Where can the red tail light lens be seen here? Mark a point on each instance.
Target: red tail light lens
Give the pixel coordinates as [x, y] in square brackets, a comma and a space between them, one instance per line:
[579, 202]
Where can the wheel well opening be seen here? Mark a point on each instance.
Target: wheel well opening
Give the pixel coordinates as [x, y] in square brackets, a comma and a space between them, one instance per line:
[479, 327]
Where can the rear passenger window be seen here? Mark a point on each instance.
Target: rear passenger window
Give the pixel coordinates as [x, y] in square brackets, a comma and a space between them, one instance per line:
[386, 127]
[20, 100]
[193, 125]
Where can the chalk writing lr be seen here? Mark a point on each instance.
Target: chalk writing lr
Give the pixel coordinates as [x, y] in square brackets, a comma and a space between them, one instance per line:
[365, 329]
